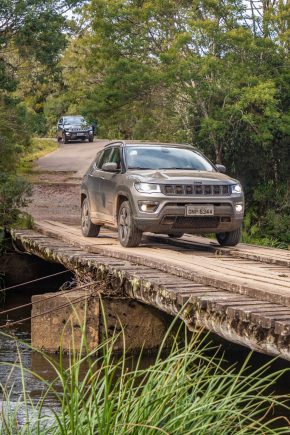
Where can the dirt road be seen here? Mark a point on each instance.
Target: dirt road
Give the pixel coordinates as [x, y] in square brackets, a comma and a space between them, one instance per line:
[56, 181]
[72, 158]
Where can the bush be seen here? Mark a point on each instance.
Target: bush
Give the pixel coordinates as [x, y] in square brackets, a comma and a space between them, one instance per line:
[14, 193]
[14, 134]
[14, 142]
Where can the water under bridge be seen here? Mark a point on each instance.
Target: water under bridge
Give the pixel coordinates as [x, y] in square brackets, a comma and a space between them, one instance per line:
[242, 293]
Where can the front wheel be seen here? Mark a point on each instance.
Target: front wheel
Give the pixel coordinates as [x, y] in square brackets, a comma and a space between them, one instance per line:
[64, 139]
[88, 228]
[91, 138]
[231, 238]
[129, 235]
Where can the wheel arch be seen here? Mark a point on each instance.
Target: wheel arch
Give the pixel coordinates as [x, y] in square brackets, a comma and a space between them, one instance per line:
[122, 196]
[83, 197]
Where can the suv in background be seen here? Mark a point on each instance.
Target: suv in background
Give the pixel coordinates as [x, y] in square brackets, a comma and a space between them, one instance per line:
[160, 188]
[74, 128]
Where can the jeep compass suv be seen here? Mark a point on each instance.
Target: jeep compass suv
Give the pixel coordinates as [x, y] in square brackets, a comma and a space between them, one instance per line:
[160, 188]
[74, 127]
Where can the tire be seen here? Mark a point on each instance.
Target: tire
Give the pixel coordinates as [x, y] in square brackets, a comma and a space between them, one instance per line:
[91, 139]
[175, 235]
[129, 235]
[64, 139]
[88, 228]
[230, 238]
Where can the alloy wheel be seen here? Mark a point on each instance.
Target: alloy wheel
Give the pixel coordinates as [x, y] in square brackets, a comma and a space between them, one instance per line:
[124, 223]
[85, 216]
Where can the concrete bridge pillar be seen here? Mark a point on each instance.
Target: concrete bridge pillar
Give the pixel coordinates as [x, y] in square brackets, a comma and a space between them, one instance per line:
[58, 318]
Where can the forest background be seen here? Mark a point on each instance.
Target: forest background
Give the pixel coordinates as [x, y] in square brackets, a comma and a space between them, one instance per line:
[214, 73]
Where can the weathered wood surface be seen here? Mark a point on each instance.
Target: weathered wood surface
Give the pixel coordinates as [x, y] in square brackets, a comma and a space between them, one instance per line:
[268, 282]
[251, 252]
[244, 301]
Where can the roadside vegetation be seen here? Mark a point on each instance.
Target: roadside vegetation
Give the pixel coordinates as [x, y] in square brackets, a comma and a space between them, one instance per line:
[189, 391]
[32, 35]
[38, 147]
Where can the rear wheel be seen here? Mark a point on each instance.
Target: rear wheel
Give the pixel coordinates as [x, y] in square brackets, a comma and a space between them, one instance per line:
[88, 228]
[175, 235]
[129, 235]
[231, 238]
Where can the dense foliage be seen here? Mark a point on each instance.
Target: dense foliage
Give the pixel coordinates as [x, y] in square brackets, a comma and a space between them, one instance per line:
[31, 39]
[215, 74]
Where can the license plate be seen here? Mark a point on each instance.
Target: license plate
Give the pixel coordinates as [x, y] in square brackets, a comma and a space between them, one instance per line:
[80, 134]
[199, 210]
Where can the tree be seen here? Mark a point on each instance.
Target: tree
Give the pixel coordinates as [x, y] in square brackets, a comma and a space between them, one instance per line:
[213, 73]
[32, 33]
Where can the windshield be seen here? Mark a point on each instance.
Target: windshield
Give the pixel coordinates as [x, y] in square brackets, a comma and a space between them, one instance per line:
[74, 120]
[160, 157]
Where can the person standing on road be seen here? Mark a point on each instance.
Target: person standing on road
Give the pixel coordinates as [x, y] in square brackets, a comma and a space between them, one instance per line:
[94, 127]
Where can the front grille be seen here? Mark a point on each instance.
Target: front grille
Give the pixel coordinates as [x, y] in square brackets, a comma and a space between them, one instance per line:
[196, 222]
[183, 204]
[76, 129]
[195, 189]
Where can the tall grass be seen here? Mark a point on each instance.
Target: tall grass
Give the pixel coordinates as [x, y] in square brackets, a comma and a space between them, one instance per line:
[38, 148]
[187, 392]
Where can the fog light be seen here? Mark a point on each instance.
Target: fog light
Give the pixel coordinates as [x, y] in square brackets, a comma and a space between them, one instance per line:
[148, 206]
[239, 208]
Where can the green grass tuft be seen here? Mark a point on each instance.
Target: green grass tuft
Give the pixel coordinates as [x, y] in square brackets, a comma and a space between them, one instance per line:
[187, 392]
[39, 147]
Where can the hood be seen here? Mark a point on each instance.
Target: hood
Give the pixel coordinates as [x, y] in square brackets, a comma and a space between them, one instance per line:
[76, 126]
[177, 176]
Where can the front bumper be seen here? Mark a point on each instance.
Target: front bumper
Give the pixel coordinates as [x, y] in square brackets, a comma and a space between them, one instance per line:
[171, 216]
[74, 135]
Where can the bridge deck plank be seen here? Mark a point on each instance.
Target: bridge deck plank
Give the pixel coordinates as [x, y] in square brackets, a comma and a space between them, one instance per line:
[178, 278]
[269, 282]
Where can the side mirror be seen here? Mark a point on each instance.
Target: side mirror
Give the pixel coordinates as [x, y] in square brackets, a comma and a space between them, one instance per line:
[221, 168]
[110, 167]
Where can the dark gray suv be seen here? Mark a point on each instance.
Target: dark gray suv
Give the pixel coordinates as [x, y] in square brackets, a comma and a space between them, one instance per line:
[74, 127]
[160, 188]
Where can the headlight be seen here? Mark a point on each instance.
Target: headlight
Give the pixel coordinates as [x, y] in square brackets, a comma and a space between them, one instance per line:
[236, 188]
[239, 208]
[147, 187]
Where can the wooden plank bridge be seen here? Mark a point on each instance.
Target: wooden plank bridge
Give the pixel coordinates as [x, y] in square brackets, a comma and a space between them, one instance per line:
[241, 293]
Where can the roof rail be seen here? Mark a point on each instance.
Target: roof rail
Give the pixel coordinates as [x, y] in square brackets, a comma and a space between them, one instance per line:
[150, 142]
[116, 141]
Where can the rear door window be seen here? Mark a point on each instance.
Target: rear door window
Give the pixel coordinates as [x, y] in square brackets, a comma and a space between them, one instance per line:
[105, 157]
[116, 157]
[97, 159]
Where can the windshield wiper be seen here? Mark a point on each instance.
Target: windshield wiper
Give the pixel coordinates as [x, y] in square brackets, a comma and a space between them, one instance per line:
[138, 167]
